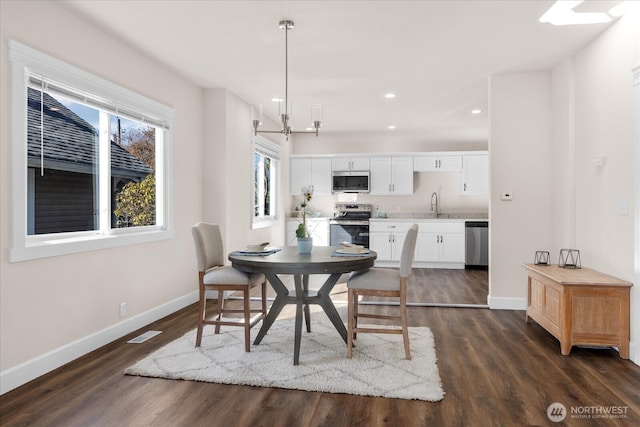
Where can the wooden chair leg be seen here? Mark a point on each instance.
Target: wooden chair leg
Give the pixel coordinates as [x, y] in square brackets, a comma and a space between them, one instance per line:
[202, 307]
[403, 319]
[247, 320]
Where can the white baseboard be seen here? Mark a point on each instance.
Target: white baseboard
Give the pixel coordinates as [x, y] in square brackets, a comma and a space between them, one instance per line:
[23, 373]
[497, 303]
[634, 353]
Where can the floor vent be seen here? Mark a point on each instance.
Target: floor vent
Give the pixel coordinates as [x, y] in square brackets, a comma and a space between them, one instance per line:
[142, 338]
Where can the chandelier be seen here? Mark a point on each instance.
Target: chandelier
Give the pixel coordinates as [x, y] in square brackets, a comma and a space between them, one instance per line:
[285, 106]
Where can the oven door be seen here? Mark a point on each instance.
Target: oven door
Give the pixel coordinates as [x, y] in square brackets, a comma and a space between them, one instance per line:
[356, 232]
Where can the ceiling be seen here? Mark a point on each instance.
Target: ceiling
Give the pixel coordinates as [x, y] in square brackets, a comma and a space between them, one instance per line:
[436, 56]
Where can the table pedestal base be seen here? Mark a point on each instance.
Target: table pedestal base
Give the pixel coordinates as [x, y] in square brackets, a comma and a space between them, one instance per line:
[301, 297]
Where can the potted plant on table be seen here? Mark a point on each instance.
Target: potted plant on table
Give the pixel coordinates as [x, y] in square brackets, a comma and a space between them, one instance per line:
[305, 241]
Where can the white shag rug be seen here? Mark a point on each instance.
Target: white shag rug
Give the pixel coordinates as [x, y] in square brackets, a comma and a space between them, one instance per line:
[378, 366]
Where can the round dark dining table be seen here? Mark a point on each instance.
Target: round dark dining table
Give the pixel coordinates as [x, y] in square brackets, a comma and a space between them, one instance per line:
[321, 260]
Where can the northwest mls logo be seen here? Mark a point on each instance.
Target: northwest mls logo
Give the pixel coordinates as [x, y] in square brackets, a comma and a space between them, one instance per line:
[556, 412]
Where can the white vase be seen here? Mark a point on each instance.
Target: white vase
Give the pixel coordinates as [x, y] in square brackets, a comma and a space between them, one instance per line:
[305, 244]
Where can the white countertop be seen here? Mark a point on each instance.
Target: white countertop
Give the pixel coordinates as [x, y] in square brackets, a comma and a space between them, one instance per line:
[430, 217]
[412, 217]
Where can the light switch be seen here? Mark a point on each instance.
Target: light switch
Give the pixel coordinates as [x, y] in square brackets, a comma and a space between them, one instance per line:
[623, 207]
[506, 196]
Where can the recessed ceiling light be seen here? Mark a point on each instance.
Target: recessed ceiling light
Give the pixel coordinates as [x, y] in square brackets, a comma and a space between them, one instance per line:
[476, 111]
[390, 95]
[391, 127]
[276, 99]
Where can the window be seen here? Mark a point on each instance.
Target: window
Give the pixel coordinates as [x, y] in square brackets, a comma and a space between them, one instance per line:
[266, 169]
[89, 165]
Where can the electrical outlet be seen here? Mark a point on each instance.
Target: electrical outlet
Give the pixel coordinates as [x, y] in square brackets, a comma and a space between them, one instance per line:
[123, 309]
[506, 196]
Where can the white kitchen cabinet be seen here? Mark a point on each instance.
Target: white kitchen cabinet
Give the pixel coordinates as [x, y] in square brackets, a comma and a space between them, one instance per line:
[475, 174]
[318, 228]
[350, 164]
[311, 172]
[440, 242]
[392, 176]
[437, 163]
[387, 238]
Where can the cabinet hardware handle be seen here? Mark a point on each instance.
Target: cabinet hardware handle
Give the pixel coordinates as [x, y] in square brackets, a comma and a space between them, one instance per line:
[465, 186]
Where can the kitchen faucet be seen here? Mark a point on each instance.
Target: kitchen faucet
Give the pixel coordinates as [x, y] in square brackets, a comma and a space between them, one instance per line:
[436, 195]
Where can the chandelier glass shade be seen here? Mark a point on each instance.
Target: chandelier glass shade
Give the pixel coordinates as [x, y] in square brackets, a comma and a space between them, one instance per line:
[285, 109]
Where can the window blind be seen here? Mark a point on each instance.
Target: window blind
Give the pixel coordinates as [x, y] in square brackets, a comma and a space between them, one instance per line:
[39, 82]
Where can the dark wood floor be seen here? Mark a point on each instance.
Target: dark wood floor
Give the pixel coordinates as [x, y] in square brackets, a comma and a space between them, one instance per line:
[495, 368]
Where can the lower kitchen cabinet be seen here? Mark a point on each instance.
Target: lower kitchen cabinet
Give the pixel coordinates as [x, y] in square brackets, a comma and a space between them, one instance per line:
[387, 238]
[318, 228]
[441, 243]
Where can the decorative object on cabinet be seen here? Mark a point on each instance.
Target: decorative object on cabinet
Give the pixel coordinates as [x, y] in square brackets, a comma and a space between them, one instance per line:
[569, 258]
[284, 104]
[305, 241]
[541, 258]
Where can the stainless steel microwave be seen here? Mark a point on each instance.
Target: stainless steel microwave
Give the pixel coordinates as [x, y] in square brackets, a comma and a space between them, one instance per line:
[350, 182]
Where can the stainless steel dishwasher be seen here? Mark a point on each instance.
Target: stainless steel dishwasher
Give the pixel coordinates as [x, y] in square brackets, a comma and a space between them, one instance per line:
[476, 244]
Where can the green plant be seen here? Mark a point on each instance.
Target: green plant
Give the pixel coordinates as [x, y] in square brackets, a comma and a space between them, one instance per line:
[135, 204]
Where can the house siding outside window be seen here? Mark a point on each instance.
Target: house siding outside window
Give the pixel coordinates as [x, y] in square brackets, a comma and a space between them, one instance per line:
[90, 160]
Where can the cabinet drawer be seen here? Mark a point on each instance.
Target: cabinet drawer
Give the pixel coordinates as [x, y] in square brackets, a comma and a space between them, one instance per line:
[389, 227]
[441, 227]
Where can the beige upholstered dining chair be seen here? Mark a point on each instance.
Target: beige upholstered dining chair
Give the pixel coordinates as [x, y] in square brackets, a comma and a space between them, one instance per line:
[381, 282]
[214, 275]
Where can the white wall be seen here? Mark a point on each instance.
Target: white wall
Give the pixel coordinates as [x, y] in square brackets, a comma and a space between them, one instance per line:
[605, 120]
[545, 131]
[228, 171]
[563, 209]
[53, 310]
[604, 127]
[520, 163]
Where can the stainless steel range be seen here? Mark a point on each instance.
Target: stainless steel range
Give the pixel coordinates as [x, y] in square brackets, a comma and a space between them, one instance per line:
[350, 224]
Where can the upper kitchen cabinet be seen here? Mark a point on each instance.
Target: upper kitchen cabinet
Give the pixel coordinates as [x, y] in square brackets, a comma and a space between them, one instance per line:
[351, 164]
[438, 163]
[392, 176]
[311, 172]
[475, 174]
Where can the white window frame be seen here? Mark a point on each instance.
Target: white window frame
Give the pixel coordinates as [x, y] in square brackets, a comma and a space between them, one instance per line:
[271, 149]
[26, 61]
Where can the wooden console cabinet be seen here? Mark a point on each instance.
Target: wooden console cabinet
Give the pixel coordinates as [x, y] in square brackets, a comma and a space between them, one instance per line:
[579, 306]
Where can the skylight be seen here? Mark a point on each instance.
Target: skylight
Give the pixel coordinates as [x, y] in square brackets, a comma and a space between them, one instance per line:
[562, 13]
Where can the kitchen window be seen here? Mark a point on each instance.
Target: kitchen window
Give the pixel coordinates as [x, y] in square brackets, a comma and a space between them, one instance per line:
[266, 172]
[89, 163]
